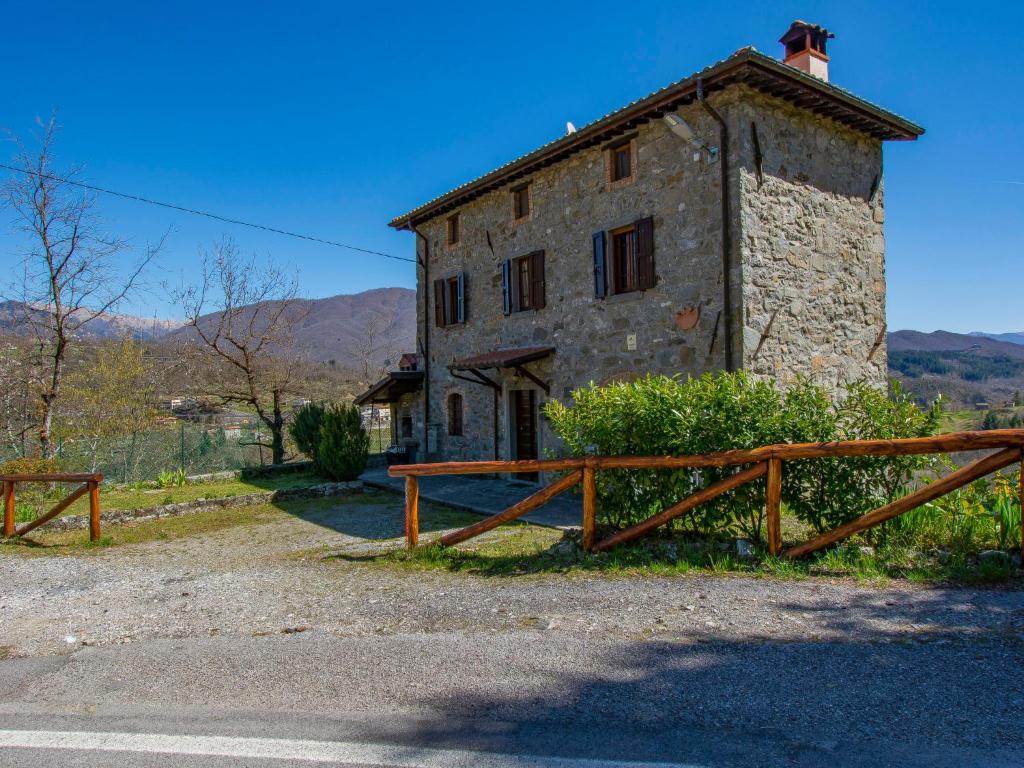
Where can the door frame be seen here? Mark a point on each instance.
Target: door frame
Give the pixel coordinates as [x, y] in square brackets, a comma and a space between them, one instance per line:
[510, 425]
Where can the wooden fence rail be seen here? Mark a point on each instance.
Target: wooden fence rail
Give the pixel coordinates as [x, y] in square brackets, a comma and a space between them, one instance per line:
[764, 461]
[90, 483]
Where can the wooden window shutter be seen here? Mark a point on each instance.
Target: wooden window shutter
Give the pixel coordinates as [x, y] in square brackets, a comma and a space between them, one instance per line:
[600, 284]
[645, 253]
[439, 302]
[506, 286]
[537, 280]
[461, 317]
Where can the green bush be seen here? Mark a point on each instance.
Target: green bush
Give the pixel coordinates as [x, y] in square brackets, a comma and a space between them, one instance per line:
[344, 445]
[826, 493]
[658, 415]
[305, 428]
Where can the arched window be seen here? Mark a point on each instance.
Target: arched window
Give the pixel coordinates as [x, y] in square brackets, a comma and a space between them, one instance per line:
[455, 414]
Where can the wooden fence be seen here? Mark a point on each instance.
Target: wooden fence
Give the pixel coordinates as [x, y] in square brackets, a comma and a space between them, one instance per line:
[1007, 444]
[90, 483]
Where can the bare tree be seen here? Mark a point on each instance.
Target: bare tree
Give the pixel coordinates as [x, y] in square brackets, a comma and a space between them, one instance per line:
[70, 272]
[377, 347]
[241, 316]
[19, 382]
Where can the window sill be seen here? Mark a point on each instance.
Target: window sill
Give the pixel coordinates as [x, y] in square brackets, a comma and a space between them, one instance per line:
[626, 182]
[616, 298]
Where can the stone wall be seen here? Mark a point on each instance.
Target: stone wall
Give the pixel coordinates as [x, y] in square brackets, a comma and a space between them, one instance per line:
[807, 250]
[571, 201]
[812, 247]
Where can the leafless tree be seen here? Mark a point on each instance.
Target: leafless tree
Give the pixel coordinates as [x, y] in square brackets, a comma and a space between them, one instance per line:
[377, 348]
[71, 270]
[241, 316]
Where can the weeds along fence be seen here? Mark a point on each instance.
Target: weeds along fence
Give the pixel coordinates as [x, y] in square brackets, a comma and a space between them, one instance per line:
[1006, 446]
[192, 447]
[87, 484]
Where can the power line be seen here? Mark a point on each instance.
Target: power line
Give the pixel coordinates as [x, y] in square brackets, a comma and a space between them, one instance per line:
[207, 214]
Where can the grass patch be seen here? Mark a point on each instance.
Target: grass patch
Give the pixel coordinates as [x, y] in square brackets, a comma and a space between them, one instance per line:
[52, 542]
[35, 501]
[525, 550]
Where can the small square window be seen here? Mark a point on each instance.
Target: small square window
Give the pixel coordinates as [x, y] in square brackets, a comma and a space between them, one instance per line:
[622, 162]
[521, 202]
[454, 229]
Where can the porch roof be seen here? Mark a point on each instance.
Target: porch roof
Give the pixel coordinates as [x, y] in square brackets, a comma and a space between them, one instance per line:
[392, 387]
[502, 358]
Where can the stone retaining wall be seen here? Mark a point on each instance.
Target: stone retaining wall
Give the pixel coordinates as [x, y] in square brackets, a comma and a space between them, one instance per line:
[115, 517]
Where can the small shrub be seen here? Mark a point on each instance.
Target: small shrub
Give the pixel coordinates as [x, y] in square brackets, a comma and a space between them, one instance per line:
[171, 478]
[305, 429]
[344, 445]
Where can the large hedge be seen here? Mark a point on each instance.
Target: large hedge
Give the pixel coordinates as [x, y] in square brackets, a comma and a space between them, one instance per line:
[658, 415]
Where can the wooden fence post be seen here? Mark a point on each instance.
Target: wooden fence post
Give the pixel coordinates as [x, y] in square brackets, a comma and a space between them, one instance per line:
[773, 500]
[589, 507]
[412, 511]
[8, 508]
[94, 510]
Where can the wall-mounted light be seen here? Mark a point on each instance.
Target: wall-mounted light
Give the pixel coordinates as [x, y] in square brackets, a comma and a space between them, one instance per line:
[682, 129]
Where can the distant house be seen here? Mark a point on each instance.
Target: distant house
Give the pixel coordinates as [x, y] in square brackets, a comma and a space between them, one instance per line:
[732, 220]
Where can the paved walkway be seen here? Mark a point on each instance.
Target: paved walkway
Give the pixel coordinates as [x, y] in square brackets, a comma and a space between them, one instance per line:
[485, 495]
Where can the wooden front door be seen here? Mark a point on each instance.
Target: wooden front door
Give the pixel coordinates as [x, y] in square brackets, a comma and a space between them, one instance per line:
[524, 427]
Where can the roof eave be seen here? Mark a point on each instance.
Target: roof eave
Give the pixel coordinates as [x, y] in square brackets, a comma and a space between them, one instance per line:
[763, 69]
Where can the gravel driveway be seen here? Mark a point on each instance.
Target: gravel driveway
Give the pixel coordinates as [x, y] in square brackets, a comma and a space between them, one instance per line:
[825, 665]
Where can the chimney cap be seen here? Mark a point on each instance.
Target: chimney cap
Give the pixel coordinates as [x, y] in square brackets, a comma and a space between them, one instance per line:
[799, 28]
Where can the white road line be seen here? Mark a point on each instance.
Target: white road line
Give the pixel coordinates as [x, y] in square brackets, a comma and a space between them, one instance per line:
[340, 752]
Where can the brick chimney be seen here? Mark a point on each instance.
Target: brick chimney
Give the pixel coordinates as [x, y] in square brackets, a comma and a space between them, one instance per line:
[804, 46]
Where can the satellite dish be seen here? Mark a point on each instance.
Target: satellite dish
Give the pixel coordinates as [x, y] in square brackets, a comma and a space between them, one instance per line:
[569, 128]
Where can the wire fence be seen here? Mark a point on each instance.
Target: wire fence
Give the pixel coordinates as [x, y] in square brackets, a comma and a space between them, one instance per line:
[194, 449]
[190, 447]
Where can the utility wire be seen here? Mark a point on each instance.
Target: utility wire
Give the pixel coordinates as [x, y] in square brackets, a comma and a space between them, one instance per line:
[207, 214]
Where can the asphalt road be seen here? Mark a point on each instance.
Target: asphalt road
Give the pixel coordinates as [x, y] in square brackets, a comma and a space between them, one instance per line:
[241, 648]
[543, 699]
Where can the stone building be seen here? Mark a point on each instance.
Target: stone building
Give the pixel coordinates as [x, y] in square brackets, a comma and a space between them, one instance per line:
[733, 219]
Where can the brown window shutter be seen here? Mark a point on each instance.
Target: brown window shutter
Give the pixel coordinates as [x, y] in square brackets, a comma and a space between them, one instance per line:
[537, 280]
[645, 253]
[439, 302]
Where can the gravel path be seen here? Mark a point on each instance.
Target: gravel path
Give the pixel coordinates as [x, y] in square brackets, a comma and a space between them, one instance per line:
[813, 659]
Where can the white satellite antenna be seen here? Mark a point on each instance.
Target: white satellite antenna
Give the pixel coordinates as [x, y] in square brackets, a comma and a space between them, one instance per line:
[569, 129]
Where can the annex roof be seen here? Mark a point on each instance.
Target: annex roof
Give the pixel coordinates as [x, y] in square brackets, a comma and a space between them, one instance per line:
[747, 65]
[392, 387]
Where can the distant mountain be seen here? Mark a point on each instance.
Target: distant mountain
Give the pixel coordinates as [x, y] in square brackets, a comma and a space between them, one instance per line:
[948, 341]
[16, 317]
[360, 332]
[1013, 338]
[967, 370]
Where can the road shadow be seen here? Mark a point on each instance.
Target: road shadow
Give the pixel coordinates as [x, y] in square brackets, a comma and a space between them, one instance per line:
[878, 694]
[372, 515]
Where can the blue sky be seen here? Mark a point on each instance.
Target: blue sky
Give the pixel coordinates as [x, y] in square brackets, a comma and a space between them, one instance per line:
[329, 119]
